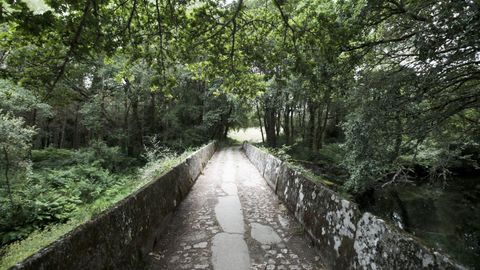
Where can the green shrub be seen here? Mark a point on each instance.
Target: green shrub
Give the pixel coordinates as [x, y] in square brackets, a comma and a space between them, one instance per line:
[52, 158]
[62, 181]
[110, 158]
[98, 153]
[333, 152]
[56, 200]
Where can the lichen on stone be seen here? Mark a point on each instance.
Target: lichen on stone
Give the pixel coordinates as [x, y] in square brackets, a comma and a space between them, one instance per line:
[368, 233]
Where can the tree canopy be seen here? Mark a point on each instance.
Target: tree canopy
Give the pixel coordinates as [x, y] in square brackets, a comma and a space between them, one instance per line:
[395, 83]
[392, 76]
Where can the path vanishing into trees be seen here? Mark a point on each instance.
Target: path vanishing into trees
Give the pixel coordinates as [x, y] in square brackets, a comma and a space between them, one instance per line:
[232, 220]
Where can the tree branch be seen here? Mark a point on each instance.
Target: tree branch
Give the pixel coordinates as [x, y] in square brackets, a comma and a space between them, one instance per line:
[73, 46]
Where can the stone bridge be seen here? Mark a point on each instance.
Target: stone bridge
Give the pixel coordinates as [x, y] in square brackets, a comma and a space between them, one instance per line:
[232, 220]
[236, 208]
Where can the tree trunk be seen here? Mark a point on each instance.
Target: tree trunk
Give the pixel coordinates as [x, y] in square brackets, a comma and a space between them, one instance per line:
[310, 138]
[126, 127]
[278, 123]
[62, 132]
[226, 123]
[260, 122]
[46, 134]
[398, 138]
[151, 115]
[138, 139]
[270, 125]
[322, 126]
[403, 210]
[317, 128]
[302, 122]
[286, 124]
[75, 140]
[292, 127]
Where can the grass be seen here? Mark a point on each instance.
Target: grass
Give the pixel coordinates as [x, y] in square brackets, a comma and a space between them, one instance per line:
[20, 250]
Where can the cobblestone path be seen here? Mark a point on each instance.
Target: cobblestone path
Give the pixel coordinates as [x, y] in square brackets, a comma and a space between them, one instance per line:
[232, 220]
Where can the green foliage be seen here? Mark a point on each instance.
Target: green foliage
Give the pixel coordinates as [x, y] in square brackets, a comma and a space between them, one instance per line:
[155, 151]
[14, 135]
[429, 92]
[364, 167]
[106, 157]
[52, 157]
[281, 152]
[62, 182]
[331, 153]
[14, 98]
[159, 159]
[15, 139]
[394, 82]
[56, 199]
[53, 195]
[18, 251]
[291, 158]
[98, 154]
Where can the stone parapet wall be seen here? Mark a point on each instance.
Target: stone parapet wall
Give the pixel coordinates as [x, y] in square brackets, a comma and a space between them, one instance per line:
[122, 236]
[346, 237]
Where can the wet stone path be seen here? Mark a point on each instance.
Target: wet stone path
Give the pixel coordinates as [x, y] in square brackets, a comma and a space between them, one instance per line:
[231, 220]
